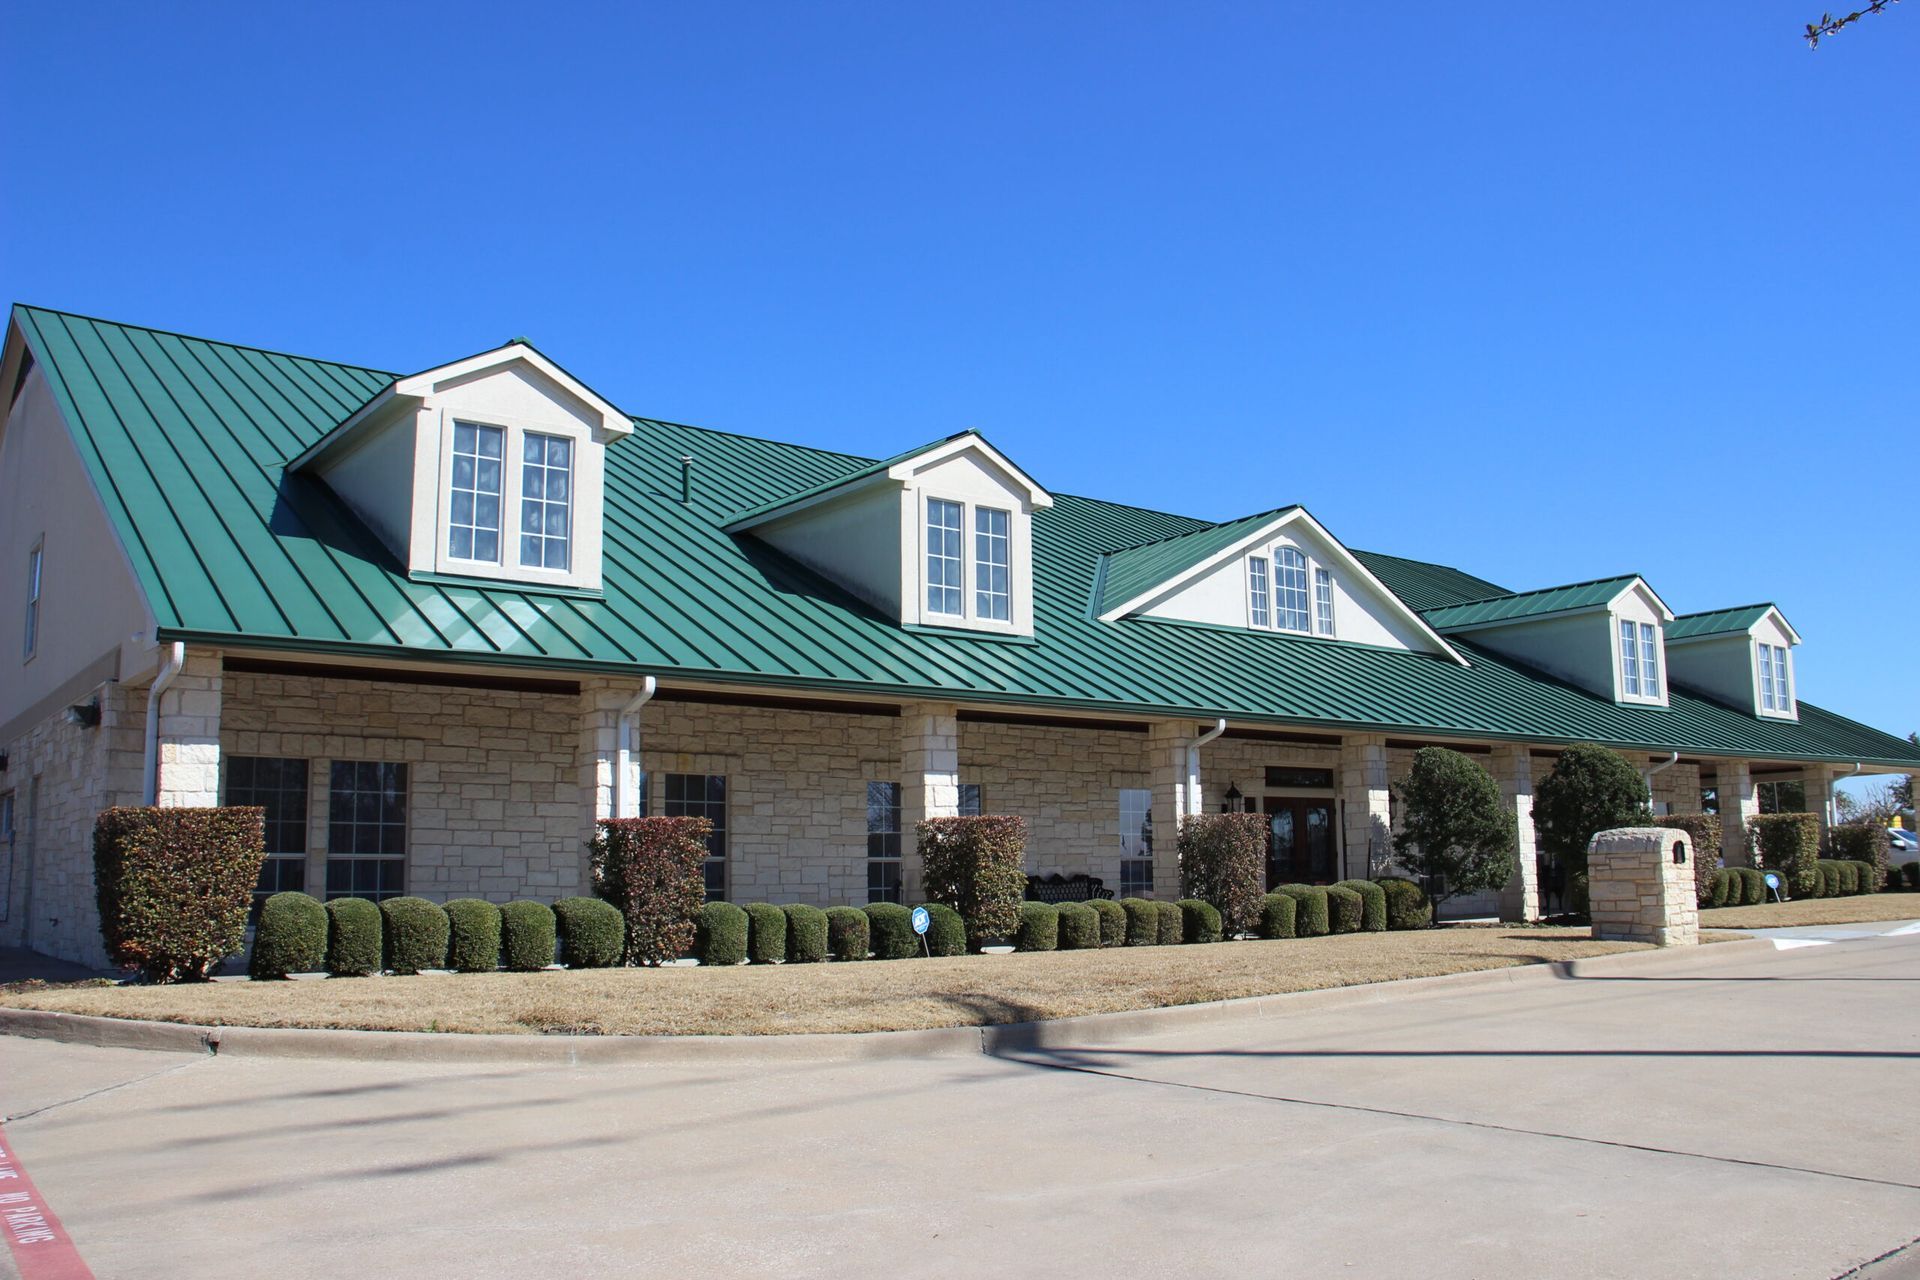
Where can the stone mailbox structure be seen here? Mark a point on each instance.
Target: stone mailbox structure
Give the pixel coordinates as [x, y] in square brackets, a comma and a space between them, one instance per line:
[1640, 887]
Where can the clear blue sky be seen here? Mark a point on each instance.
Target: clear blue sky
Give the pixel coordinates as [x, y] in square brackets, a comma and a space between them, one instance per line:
[1545, 291]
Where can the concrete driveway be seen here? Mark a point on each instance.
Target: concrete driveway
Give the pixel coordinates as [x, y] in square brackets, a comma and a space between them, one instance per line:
[1755, 1117]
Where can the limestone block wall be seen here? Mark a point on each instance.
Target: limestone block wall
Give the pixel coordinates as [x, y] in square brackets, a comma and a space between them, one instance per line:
[1638, 892]
[1066, 783]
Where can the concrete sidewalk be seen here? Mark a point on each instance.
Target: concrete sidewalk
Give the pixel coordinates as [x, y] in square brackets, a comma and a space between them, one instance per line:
[1753, 1119]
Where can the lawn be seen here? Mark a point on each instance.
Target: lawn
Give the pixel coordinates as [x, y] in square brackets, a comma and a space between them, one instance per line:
[1859, 910]
[870, 996]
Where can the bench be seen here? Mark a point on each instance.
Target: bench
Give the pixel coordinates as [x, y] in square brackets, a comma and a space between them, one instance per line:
[1059, 888]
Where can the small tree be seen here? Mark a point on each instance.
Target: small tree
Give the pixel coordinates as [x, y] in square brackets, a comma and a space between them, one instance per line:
[1591, 789]
[977, 866]
[651, 869]
[1223, 862]
[1455, 826]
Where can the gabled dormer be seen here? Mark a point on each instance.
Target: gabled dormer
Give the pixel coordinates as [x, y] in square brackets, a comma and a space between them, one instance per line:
[1605, 636]
[1741, 656]
[940, 536]
[490, 467]
[1278, 571]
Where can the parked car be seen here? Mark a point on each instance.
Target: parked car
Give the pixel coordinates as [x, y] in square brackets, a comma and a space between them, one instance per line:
[1905, 845]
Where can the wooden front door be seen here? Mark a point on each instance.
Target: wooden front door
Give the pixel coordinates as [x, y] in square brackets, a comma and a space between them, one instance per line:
[1299, 841]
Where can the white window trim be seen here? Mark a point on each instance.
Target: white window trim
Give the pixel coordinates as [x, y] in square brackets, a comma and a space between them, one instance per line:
[969, 618]
[1646, 692]
[1784, 706]
[1270, 555]
[36, 591]
[573, 478]
[1266, 587]
[508, 567]
[1006, 539]
[1306, 571]
[1328, 626]
[446, 516]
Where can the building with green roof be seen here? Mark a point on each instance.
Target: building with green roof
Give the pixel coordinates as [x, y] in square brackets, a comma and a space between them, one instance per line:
[438, 624]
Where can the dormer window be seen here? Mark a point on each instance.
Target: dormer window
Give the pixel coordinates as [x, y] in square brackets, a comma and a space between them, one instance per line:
[1323, 601]
[546, 501]
[943, 557]
[1293, 588]
[992, 545]
[473, 509]
[1776, 691]
[1278, 595]
[1258, 607]
[1639, 660]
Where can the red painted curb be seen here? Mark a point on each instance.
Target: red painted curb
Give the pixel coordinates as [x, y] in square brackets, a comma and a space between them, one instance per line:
[41, 1246]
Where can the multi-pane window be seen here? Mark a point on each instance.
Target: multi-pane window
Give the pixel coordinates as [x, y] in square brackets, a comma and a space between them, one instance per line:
[883, 842]
[1290, 589]
[1775, 695]
[703, 795]
[970, 800]
[1136, 842]
[546, 500]
[943, 557]
[1258, 598]
[280, 787]
[1323, 601]
[1781, 797]
[1649, 660]
[473, 509]
[991, 596]
[366, 829]
[35, 558]
[1629, 659]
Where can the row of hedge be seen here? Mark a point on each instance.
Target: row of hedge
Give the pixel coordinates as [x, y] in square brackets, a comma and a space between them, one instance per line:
[1832, 878]
[352, 937]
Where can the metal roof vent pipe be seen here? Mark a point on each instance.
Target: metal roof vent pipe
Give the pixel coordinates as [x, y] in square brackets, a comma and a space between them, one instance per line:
[686, 477]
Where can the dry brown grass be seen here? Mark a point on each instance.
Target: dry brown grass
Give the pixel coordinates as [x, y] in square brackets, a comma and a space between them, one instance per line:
[871, 996]
[1774, 915]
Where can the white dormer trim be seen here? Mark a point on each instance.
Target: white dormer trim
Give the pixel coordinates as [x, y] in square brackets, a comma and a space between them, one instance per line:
[1610, 604]
[1772, 614]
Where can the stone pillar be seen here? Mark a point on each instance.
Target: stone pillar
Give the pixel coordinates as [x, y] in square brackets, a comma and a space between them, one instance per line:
[1367, 806]
[601, 702]
[1738, 803]
[1513, 770]
[1638, 890]
[188, 772]
[1818, 780]
[1176, 793]
[929, 780]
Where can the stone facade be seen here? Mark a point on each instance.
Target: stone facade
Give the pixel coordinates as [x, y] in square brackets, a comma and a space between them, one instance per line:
[1638, 892]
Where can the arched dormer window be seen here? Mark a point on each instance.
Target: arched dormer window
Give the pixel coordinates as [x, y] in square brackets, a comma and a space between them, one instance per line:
[1290, 582]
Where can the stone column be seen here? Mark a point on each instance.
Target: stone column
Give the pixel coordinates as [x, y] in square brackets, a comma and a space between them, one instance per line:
[1367, 804]
[1512, 768]
[601, 702]
[1738, 802]
[1638, 891]
[188, 773]
[929, 780]
[1818, 780]
[1176, 793]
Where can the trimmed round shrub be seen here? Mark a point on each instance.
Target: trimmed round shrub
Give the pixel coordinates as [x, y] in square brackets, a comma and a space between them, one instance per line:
[1848, 874]
[1344, 909]
[1277, 912]
[1310, 919]
[290, 938]
[1863, 840]
[1143, 922]
[1828, 878]
[591, 933]
[1199, 921]
[473, 936]
[766, 933]
[1870, 876]
[849, 937]
[1373, 904]
[806, 933]
[1407, 904]
[1717, 888]
[720, 934]
[527, 935]
[1039, 928]
[890, 926]
[1079, 927]
[354, 938]
[1113, 922]
[417, 932]
[1173, 925]
[1753, 886]
[946, 931]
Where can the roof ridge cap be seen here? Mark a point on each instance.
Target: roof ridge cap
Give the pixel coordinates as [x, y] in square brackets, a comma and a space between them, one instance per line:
[1205, 528]
[218, 342]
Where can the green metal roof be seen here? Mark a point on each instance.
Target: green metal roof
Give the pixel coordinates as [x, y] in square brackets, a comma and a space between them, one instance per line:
[835, 482]
[1426, 586]
[1716, 621]
[1530, 604]
[1136, 570]
[186, 442]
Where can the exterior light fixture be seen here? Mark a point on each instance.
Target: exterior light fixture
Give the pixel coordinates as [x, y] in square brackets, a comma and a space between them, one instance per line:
[84, 714]
[1230, 803]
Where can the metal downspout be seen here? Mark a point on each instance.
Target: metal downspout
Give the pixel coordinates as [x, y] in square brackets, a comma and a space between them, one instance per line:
[1648, 774]
[627, 732]
[1190, 788]
[176, 659]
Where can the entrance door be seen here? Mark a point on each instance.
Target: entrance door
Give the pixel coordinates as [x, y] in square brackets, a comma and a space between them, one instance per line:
[1299, 841]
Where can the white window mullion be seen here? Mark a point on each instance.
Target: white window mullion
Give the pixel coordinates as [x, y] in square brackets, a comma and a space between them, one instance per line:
[944, 567]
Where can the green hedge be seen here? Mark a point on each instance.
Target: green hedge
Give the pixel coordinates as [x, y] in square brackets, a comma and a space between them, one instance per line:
[977, 866]
[1199, 921]
[355, 947]
[1277, 912]
[849, 936]
[766, 933]
[1113, 922]
[946, 931]
[473, 944]
[1039, 927]
[806, 933]
[890, 926]
[1790, 844]
[652, 870]
[1407, 904]
[291, 937]
[1079, 927]
[528, 932]
[1143, 922]
[1311, 918]
[1723, 880]
[1871, 877]
[1703, 846]
[720, 934]
[1223, 862]
[1753, 887]
[1373, 904]
[417, 932]
[1863, 840]
[1345, 908]
[591, 933]
[1173, 924]
[173, 886]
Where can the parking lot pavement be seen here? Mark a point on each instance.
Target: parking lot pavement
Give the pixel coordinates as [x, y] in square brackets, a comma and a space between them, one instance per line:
[1749, 1118]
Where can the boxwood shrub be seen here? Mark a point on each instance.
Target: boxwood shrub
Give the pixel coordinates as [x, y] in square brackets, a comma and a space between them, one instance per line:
[291, 937]
[766, 933]
[890, 927]
[1173, 924]
[591, 933]
[1113, 922]
[849, 936]
[1277, 912]
[527, 935]
[946, 931]
[1407, 904]
[976, 865]
[1143, 922]
[1079, 927]
[355, 947]
[173, 886]
[1753, 886]
[720, 934]
[1199, 921]
[652, 871]
[1871, 876]
[416, 933]
[1344, 909]
[1790, 844]
[1863, 840]
[806, 933]
[1311, 916]
[1373, 904]
[1039, 927]
[473, 936]
[1717, 887]
[1223, 861]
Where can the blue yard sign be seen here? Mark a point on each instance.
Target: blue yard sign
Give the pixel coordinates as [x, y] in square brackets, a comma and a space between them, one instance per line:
[921, 920]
